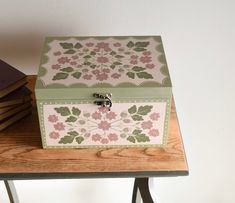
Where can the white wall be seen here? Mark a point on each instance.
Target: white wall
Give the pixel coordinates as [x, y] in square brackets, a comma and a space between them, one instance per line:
[199, 38]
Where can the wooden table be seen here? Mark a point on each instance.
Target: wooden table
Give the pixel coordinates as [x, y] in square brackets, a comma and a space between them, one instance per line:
[22, 157]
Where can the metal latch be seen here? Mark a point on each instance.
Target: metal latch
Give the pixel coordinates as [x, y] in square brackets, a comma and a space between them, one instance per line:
[105, 100]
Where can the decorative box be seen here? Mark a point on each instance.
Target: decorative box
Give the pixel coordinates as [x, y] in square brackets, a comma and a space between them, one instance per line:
[103, 92]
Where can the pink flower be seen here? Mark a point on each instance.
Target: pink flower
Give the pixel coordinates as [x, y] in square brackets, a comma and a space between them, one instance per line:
[104, 141]
[102, 45]
[145, 59]
[87, 76]
[106, 70]
[117, 44]
[59, 126]
[63, 60]
[96, 137]
[102, 59]
[150, 66]
[115, 75]
[54, 135]
[73, 63]
[155, 116]
[134, 57]
[154, 132]
[75, 57]
[146, 53]
[56, 66]
[134, 62]
[102, 76]
[104, 125]
[89, 44]
[96, 115]
[147, 125]
[111, 115]
[113, 137]
[95, 72]
[107, 49]
[57, 53]
[52, 118]
[103, 109]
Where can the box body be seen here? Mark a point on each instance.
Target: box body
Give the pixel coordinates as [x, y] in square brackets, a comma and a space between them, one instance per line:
[133, 69]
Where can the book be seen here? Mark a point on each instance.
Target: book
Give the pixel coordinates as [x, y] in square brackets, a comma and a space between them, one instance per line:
[10, 79]
[19, 96]
[15, 110]
[16, 117]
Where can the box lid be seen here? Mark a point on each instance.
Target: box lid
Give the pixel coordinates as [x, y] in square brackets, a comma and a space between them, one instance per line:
[127, 67]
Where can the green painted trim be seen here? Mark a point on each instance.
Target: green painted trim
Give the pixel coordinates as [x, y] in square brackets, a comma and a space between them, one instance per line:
[117, 93]
[164, 69]
[40, 105]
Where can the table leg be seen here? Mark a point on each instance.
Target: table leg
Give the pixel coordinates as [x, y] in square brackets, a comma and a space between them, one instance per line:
[11, 191]
[141, 185]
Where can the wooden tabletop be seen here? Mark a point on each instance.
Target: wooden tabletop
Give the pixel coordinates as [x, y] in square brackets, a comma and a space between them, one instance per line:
[22, 156]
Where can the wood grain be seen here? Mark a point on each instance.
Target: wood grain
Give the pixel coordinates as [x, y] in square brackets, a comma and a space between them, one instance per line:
[21, 153]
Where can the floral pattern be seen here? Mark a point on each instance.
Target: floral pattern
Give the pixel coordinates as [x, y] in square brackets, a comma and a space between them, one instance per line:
[93, 61]
[71, 124]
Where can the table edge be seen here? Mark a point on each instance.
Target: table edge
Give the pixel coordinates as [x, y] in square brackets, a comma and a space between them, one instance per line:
[31, 176]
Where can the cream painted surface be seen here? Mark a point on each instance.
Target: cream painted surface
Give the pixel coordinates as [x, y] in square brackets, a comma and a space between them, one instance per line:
[198, 37]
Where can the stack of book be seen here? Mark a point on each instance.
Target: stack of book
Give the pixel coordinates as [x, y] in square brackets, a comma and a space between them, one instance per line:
[15, 98]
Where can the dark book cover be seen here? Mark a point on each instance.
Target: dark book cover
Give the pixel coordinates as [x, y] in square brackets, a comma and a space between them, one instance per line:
[8, 77]
[21, 95]
[16, 117]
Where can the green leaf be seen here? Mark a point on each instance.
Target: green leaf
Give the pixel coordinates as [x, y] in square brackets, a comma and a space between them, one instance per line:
[78, 45]
[66, 139]
[137, 118]
[144, 75]
[130, 44]
[93, 53]
[77, 75]
[117, 63]
[76, 111]
[66, 45]
[68, 69]
[112, 66]
[136, 132]
[144, 110]
[70, 51]
[131, 75]
[132, 110]
[119, 56]
[142, 138]
[87, 57]
[137, 68]
[93, 66]
[79, 139]
[71, 119]
[73, 133]
[112, 53]
[87, 63]
[63, 111]
[131, 139]
[60, 76]
[139, 49]
[141, 44]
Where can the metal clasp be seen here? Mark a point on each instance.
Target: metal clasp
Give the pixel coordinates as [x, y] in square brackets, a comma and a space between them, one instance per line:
[105, 100]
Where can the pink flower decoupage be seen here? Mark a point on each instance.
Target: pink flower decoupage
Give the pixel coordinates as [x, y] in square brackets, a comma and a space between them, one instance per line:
[103, 60]
[137, 124]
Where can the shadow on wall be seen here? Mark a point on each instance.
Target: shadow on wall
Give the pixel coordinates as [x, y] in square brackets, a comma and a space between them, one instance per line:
[21, 50]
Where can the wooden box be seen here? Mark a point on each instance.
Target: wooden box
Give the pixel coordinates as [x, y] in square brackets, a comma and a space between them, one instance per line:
[103, 92]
